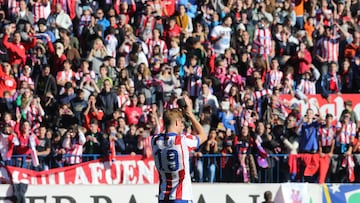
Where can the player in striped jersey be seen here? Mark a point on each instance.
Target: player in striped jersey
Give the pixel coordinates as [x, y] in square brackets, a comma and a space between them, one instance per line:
[171, 154]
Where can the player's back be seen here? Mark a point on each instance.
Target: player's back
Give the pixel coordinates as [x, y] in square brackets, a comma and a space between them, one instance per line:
[171, 155]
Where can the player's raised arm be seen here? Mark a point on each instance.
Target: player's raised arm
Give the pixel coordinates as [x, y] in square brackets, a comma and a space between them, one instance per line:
[195, 123]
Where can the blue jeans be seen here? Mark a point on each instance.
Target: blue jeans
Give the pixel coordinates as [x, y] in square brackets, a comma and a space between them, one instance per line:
[211, 173]
[300, 22]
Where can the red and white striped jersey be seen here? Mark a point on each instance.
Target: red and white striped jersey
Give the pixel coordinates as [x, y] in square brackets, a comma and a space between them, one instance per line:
[40, 10]
[152, 43]
[171, 154]
[80, 74]
[307, 86]
[328, 48]
[26, 79]
[123, 100]
[66, 76]
[193, 85]
[348, 131]
[13, 7]
[273, 78]
[74, 147]
[264, 40]
[259, 96]
[171, 105]
[327, 135]
[246, 118]
[34, 115]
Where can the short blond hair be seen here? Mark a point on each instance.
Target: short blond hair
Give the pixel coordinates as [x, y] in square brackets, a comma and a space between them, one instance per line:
[171, 115]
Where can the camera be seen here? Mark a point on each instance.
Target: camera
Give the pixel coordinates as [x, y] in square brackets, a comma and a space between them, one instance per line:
[181, 103]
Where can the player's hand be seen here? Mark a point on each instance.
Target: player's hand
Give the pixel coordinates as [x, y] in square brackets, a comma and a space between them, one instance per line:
[189, 106]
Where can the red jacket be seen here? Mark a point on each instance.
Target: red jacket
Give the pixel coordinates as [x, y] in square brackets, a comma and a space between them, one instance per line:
[303, 64]
[24, 147]
[7, 82]
[17, 52]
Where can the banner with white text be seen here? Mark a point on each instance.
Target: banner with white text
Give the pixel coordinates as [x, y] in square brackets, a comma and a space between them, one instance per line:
[123, 170]
[335, 104]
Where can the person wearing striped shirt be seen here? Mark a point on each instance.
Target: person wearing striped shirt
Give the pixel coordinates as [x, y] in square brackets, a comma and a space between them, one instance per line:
[327, 47]
[307, 84]
[342, 159]
[171, 151]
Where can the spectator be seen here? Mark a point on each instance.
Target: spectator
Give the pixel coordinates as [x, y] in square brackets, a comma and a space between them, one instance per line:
[43, 149]
[343, 149]
[63, 20]
[7, 81]
[308, 128]
[331, 83]
[131, 141]
[68, 94]
[267, 197]
[101, 20]
[70, 50]
[27, 139]
[221, 36]
[72, 144]
[97, 53]
[274, 76]
[226, 116]
[207, 98]
[184, 21]
[327, 135]
[117, 137]
[8, 140]
[94, 143]
[246, 170]
[132, 112]
[44, 33]
[16, 48]
[348, 108]
[24, 15]
[307, 84]
[107, 100]
[92, 112]
[88, 86]
[210, 147]
[78, 105]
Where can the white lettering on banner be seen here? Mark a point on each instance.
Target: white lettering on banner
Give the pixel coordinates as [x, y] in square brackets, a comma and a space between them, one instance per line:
[52, 179]
[335, 106]
[147, 172]
[80, 176]
[108, 175]
[43, 179]
[124, 170]
[61, 176]
[96, 172]
[23, 179]
[129, 176]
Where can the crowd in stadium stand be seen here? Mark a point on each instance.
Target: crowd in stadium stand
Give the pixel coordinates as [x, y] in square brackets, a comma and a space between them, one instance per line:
[94, 77]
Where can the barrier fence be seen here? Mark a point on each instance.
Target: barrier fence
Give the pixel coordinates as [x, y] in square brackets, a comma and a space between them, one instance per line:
[207, 168]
